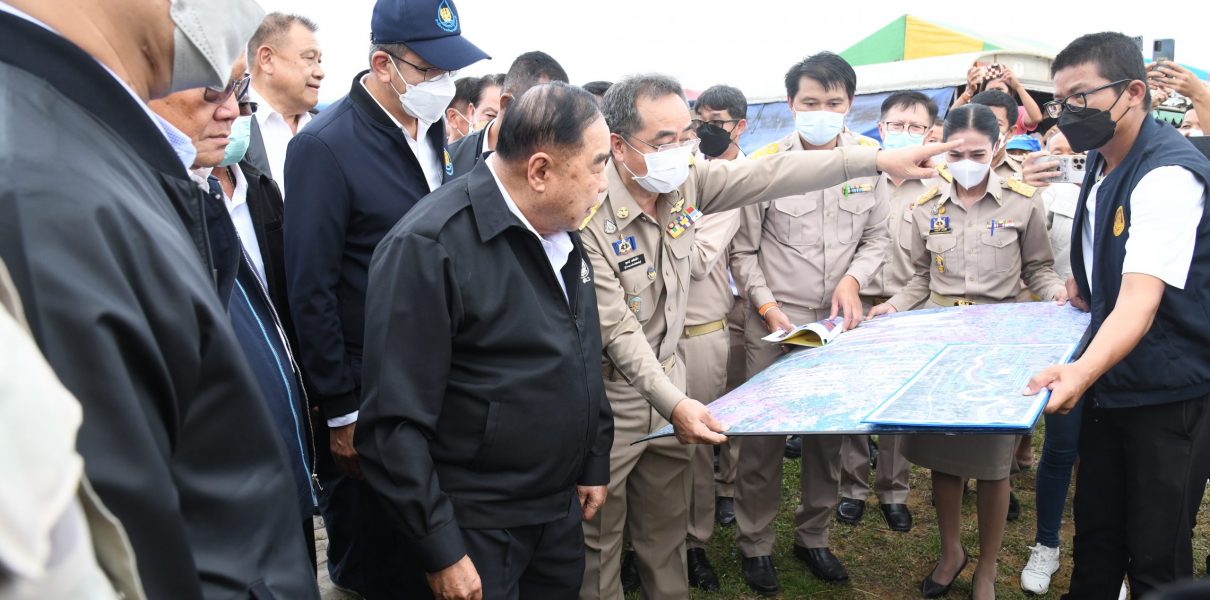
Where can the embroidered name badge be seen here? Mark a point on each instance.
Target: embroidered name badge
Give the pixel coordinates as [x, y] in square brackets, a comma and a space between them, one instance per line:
[624, 246]
[631, 263]
[1119, 222]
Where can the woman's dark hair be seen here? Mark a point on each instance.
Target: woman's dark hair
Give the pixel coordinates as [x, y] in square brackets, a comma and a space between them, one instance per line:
[972, 116]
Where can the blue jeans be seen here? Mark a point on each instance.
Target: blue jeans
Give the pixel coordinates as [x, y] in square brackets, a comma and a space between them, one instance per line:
[1059, 452]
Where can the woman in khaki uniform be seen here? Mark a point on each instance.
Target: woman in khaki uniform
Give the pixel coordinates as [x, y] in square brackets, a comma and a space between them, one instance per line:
[978, 236]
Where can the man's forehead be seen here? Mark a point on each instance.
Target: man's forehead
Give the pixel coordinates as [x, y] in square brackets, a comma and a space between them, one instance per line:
[1077, 78]
[914, 113]
[666, 113]
[712, 114]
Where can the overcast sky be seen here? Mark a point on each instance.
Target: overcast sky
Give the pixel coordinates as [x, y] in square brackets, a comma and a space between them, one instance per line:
[748, 44]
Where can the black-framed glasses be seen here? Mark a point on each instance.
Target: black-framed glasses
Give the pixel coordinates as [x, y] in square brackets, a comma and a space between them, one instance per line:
[721, 124]
[239, 87]
[429, 73]
[898, 127]
[1076, 102]
[691, 143]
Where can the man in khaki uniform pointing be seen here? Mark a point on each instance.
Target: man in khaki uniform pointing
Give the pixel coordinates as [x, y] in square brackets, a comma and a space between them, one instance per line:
[639, 241]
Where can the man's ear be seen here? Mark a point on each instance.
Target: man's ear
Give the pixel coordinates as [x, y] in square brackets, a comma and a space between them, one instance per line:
[1138, 91]
[264, 59]
[380, 66]
[740, 127]
[505, 99]
[615, 146]
[539, 170]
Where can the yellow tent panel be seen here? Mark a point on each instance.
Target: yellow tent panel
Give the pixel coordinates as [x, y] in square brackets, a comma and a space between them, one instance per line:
[923, 39]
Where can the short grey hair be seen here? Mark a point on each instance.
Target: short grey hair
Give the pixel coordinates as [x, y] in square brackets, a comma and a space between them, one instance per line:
[619, 105]
[273, 27]
[395, 50]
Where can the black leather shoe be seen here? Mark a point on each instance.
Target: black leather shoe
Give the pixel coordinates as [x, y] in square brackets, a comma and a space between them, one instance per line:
[630, 573]
[793, 447]
[724, 511]
[850, 511]
[760, 576]
[929, 588]
[1014, 507]
[897, 516]
[822, 563]
[701, 574]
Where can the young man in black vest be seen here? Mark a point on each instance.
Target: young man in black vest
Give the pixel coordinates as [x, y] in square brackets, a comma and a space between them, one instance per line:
[1141, 262]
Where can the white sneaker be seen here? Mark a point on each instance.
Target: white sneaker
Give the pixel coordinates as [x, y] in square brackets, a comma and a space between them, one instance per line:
[1043, 562]
[1122, 594]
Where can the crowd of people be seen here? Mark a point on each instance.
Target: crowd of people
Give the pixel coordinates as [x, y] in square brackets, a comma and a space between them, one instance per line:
[479, 293]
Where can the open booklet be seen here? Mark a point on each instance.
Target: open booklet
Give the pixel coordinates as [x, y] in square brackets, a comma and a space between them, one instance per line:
[811, 335]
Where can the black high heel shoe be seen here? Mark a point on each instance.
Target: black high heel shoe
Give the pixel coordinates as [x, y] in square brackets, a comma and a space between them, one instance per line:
[931, 589]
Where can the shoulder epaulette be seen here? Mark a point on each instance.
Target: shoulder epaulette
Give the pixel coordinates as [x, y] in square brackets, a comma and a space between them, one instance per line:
[771, 149]
[867, 141]
[1020, 187]
[929, 195]
[944, 171]
[588, 219]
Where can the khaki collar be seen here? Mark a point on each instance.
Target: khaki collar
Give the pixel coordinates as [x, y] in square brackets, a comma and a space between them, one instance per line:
[995, 189]
[622, 206]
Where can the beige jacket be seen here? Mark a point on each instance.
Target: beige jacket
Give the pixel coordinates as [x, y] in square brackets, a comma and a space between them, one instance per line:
[981, 254]
[642, 273]
[897, 264]
[796, 249]
[710, 297]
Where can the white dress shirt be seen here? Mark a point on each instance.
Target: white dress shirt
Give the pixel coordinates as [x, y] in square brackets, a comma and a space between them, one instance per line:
[276, 134]
[1165, 210]
[557, 246]
[430, 163]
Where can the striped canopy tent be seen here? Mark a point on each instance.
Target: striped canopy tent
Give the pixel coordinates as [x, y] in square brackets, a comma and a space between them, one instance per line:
[909, 38]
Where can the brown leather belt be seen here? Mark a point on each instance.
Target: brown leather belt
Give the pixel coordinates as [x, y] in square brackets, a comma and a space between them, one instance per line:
[611, 373]
[952, 300]
[704, 328]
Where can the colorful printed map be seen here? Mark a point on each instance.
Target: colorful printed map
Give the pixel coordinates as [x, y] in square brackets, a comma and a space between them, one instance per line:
[952, 370]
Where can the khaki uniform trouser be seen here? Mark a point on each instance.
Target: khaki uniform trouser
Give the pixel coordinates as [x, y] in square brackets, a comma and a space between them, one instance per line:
[648, 496]
[705, 358]
[758, 485]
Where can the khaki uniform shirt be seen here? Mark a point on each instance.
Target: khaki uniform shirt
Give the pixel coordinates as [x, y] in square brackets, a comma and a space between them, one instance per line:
[897, 264]
[1060, 200]
[796, 249]
[1007, 167]
[642, 272]
[981, 254]
[710, 297]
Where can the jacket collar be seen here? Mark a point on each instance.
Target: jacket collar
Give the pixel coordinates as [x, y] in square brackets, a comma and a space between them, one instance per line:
[491, 212]
[995, 188]
[78, 77]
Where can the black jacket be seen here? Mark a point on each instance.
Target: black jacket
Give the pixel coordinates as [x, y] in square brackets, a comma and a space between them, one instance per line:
[265, 207]
[351, 176]
[484, 404]
[467, 152]
[104, 236]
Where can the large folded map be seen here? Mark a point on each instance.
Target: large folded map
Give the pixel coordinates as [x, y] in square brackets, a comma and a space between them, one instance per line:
[945, 370]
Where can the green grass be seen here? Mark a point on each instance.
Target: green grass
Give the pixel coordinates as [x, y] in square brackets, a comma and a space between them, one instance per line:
[885, 564]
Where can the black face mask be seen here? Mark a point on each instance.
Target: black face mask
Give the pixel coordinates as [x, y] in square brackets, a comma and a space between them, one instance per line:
[1090, 128]
[714, 140]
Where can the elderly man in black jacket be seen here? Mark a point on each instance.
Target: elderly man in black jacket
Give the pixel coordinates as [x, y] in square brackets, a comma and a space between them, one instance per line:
[484, 425]
[103, 233]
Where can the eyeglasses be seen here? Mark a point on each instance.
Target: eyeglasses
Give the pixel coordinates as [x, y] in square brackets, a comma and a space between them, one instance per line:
[898, 127]
[429, 73]
[247, 109]
[697, 123]
[1076, 102]
[239, 87]
[691, 143]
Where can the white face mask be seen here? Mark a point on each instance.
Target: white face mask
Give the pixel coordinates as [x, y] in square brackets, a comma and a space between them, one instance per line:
[427, 100]
[819, 127]
[1194, 133]
[666, 169]
[969, 173]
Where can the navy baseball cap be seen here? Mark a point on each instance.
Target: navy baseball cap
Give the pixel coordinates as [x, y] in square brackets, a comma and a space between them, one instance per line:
[431, 28]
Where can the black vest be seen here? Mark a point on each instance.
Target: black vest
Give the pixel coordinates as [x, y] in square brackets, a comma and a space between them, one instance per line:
[1172, 362]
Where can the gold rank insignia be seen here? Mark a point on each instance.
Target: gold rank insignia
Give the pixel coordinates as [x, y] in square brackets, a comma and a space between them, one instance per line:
[676, 208]
[1119, 222]
[623, 212]
[1020, 187]
[767, 150]
[866, 141]
[591, 214]
[929, 195]
[943, 170]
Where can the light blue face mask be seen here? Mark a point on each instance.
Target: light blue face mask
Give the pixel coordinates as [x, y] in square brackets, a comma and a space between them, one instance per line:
[237, 142]
[903, 139]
